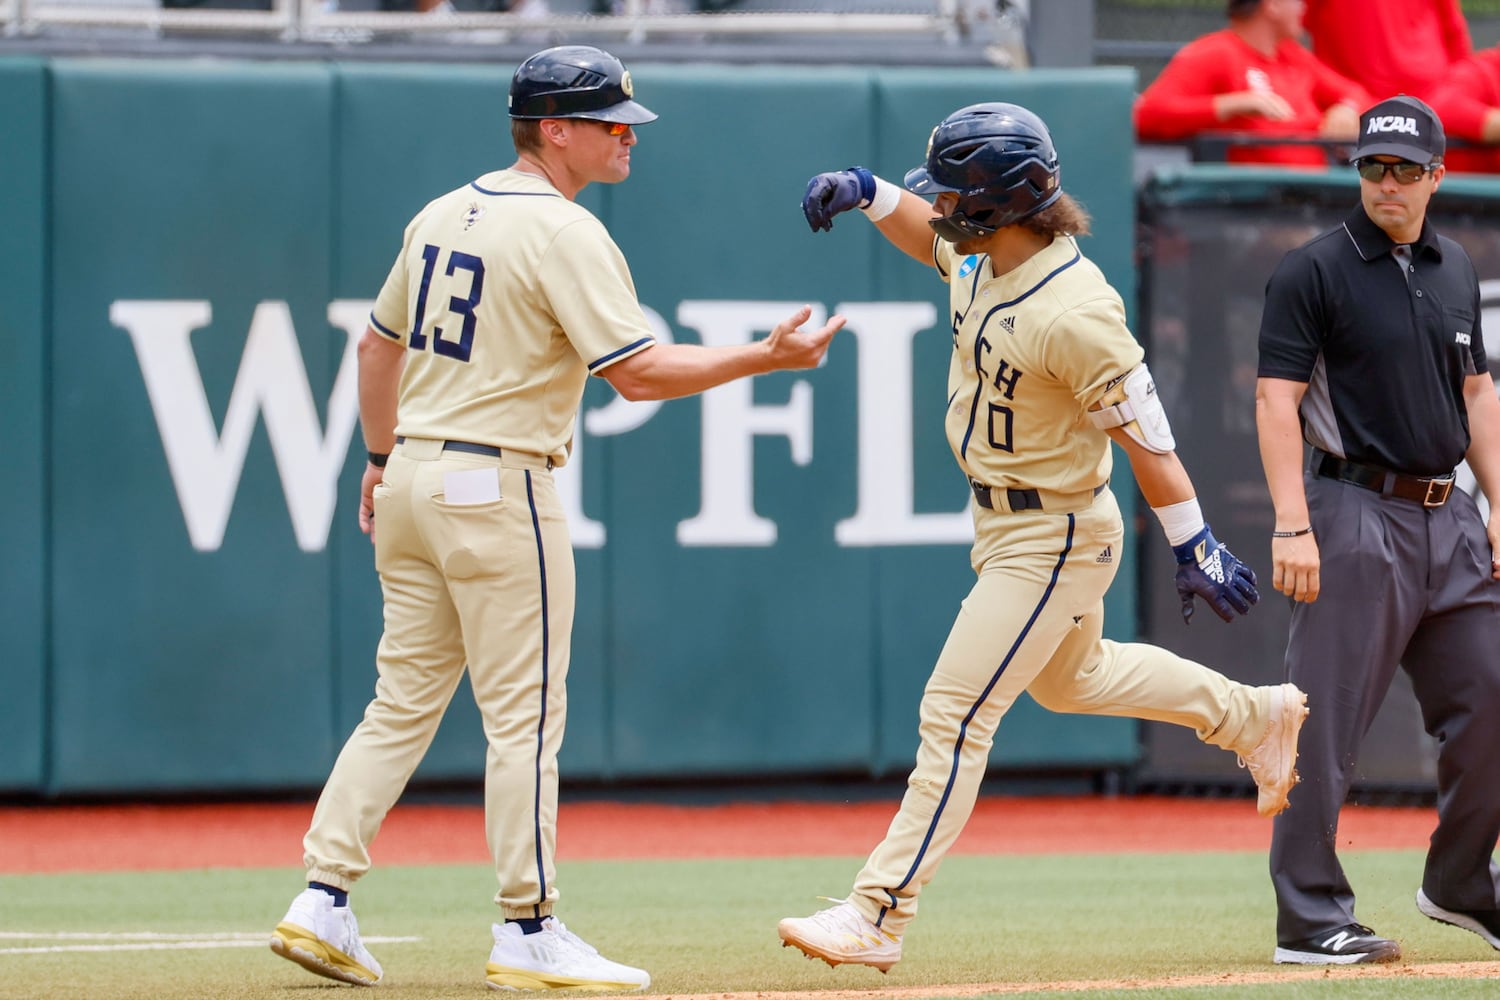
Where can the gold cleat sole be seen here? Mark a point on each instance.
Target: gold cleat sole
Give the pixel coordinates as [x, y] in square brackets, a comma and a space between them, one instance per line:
[298, 944]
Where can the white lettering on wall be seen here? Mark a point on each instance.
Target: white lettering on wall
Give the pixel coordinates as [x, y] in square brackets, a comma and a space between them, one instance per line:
[205, 464]
[732, 421]
[885, 331]
[618, 416]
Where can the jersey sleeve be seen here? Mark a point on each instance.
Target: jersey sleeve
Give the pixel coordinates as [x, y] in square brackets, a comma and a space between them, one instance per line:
[1292, 324]
[1477, 350]
[1089, 348]
[588, 284]
[391, 315]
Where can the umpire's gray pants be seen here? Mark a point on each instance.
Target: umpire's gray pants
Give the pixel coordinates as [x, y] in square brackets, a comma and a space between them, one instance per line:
[1400, 584]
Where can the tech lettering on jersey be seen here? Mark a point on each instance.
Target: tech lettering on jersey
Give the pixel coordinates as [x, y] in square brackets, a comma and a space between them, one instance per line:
[998, 413]
[1000, 419]
[1002, 435]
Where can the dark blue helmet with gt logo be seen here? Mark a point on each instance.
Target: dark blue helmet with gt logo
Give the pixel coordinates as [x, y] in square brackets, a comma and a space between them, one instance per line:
[999, 159]
[575, 81]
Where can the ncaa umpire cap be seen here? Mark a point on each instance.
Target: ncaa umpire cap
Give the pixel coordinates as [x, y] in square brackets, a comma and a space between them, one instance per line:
[575, 81]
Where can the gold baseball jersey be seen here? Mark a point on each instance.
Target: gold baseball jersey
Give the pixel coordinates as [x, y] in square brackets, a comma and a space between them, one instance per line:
[1033, 349]
[507, 296]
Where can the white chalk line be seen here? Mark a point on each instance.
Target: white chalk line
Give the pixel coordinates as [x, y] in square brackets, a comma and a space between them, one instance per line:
[87, 941]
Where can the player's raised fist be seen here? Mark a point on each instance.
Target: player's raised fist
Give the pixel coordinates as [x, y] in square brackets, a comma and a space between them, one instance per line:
[831, 193]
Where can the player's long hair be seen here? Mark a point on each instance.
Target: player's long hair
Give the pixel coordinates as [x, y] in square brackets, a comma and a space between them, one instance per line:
[526, 134]
[1064, 217]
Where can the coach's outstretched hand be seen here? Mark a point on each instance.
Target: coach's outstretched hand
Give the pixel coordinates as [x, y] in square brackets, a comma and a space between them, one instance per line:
[1206, 569]
[790, 347]
[832, 193]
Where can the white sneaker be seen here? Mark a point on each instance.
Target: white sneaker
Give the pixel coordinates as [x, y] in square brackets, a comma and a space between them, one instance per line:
[324, 939]
[841, 934]
[1273, 761]
[554, 958]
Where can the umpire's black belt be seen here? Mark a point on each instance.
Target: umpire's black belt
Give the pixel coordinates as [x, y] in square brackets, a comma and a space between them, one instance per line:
[1429, 491]
[1016, 500]
[484, 449]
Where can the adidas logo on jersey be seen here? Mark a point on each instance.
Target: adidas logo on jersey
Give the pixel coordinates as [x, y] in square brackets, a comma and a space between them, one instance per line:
[1107, 556]
[1008, 324]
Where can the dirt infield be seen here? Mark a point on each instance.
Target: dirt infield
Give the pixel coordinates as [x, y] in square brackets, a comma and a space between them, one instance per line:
[158, 837]
[1437, 970]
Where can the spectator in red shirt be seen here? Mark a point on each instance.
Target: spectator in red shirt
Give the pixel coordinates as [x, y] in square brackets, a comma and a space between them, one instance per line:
[1252, 76]
[1400, 47]
[1469, 105]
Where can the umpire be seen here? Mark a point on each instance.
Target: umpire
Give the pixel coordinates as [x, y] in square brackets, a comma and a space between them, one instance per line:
[1371, 352]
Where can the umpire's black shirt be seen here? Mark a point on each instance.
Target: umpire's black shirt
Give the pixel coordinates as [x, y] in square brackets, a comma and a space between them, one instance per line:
[1384, 358]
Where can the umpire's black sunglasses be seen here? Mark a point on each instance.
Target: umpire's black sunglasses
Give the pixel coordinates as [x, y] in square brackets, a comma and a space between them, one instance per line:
[1404, 171]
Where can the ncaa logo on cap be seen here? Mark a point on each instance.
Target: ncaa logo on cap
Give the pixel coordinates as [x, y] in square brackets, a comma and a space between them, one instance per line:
[1392, 123]
[1401, 126]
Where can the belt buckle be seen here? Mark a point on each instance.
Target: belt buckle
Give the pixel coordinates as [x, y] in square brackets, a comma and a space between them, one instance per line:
[1437, 492]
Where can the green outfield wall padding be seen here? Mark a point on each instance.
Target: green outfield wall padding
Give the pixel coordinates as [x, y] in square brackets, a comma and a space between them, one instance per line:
[192, 242]
[766, 572]
[23, 444]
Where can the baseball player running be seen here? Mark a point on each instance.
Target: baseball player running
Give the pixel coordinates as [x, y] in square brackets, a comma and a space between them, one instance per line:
[505, 296]
[1044, 375]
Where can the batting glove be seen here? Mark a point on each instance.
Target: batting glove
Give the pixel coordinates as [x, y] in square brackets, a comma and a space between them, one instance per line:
[1207, 569]
[829, 194]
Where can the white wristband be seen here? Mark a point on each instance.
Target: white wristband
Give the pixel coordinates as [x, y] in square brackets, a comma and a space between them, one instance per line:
[887, 197]
[1180, 521]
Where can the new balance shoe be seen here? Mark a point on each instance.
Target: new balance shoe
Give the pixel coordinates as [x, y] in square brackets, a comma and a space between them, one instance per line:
[1485, 923]
[1273, 761]
[554, 958]
[324, 939]
[841, 935]
[1348, 945]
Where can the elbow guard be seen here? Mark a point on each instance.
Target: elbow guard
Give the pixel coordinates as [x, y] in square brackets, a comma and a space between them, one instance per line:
[1132, 405]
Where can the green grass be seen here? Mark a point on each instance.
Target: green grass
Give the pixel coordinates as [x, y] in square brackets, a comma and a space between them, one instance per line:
[710, 927]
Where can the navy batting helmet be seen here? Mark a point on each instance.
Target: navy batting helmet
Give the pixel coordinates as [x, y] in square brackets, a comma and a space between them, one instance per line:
[999, 158]
[575, 81]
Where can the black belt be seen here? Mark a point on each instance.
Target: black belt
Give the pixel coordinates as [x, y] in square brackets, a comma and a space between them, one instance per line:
[468, 446]
[1018, 500]
[1429, 491]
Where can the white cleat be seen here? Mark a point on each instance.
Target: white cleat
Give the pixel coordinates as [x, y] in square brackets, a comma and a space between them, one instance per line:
[554, 958]
[1273, 762]
[324, 939]
[842, 935]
